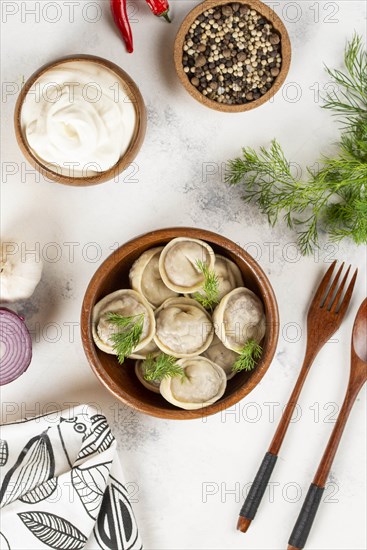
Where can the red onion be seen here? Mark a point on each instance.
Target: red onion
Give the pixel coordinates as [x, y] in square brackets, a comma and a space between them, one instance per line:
[15, 346]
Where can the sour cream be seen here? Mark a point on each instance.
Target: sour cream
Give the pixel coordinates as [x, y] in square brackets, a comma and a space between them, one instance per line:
[78, 118]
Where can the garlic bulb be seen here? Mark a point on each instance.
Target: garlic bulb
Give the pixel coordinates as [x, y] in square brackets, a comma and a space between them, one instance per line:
[20, 271]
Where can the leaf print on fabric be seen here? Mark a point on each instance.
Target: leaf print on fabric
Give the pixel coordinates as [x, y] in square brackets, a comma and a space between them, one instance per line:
[98, 439]
[54, 531]
[68, 429]
[90, 485]
[4, 452]
[4, 543]
[116, 525]
[41, 492]
[35, 465]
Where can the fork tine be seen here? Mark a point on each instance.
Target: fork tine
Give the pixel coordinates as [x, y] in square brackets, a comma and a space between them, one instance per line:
[320, 292]
[348, 295]
[330, 295]
[334, 304]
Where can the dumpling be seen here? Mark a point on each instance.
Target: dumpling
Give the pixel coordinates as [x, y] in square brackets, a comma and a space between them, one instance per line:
[145, 278]
[222, 356]
[238, 318]
[149, 349]
[204, 383]
[178, 264]
[183, 327]
[228, 273]
[150, 385]
[127, 303]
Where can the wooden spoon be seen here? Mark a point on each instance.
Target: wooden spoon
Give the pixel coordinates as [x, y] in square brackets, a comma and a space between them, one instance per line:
[357, 378]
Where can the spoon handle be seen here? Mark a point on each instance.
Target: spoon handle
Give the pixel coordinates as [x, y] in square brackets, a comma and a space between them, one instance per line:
[310, 506]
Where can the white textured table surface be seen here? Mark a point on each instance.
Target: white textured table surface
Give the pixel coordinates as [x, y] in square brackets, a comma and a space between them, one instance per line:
[188, 478]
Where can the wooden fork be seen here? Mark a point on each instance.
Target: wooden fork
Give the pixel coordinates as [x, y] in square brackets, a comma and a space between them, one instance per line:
[324, 317]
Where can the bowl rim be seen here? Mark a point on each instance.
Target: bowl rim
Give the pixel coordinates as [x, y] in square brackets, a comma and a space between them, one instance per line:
[136, 142]
[268, 298]
[279, 26]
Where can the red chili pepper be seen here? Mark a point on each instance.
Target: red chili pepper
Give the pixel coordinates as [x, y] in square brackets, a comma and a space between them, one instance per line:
[159, 8]
[118, 8]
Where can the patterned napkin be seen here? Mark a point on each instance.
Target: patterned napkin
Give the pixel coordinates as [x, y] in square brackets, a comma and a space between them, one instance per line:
[61, 485]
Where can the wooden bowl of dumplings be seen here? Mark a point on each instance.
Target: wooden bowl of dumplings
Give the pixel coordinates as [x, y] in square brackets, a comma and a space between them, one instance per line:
[162, 283]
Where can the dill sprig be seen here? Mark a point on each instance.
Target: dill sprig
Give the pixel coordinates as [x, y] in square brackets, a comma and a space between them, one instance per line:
[349, 98]
[250, 354]
[155, 368]
[208, 297]
[334, 199]
[128, 333]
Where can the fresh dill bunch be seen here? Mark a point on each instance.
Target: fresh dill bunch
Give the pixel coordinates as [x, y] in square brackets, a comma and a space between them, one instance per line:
[334, 199]
[209, 295]
[250, 354]
[127, 335]
[155, 368]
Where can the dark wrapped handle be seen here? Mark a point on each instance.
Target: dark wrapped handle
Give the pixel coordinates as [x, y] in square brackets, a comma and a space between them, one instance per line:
[306, 517]
[258, 487]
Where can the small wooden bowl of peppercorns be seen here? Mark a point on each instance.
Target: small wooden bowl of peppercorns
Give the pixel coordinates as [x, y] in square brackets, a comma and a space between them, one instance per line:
[232, 56]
